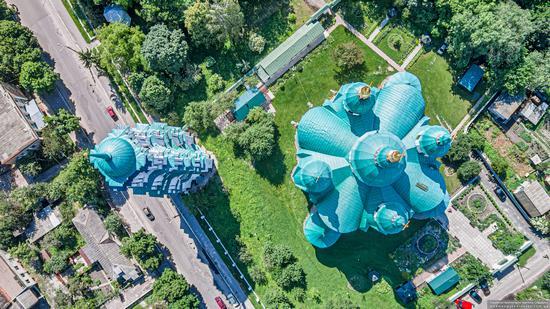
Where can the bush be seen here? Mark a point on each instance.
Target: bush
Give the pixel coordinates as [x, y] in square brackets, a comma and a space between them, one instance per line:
[256, 42]
[155, 95]
[471, 269]
[506, 241]
[276, 298]
[31, 168]
[468, 170]
[290, 277]
[37, 76]
[541, 224]
[348, 56]
[277, 256]
[214, 84]
[56, 264]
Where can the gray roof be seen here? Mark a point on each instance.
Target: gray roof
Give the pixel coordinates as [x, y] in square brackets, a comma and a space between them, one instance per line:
[44, 221]
[506, 105]
[534, 112]
[533, 198]
[16, 132]
[12, 288]
[101, 248]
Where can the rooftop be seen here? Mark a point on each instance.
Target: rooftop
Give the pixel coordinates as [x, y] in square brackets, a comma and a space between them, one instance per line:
[505, 105]
[248, 100]
[534, 112]
[533, 198]
[16, 132]
[444, 281]
[12, 288]
[471, 78]
[101, 248]
[44, 221]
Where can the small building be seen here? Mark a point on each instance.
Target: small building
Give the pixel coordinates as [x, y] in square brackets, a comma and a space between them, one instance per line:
[20, 120]
[505, 105]
[533, 198]
[290, 52]
[248, 100]
[44, 221]
[101, 249]
[17, 288]
[444, 281]
[406, 292]
[533, 112]
[471, 78]
[114, 13]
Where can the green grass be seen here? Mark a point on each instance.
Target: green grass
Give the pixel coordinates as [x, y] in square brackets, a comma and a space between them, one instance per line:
[262, 204]
[363, 15]
[443, 96]
[536, 291]
[525, 256]
[452, 181]
[79, 20]
[407, 40]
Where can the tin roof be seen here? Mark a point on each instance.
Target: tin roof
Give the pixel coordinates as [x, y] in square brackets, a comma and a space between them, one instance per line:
[472, 77]
[444, 281]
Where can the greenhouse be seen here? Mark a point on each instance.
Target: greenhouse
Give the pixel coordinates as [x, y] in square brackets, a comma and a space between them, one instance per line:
[367, 158]
[154, 159]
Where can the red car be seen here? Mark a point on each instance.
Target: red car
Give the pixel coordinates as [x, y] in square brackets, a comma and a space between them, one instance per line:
[463, 304]
[220, 303]
[112, 113]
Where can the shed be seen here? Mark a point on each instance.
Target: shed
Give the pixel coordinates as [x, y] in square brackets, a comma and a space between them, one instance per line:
[471, 78]
[116, 14]
[248, 100]
[282, 57]
[444, 281]
[534, 112]
[505, 105]
[533, 198]
[406, 292]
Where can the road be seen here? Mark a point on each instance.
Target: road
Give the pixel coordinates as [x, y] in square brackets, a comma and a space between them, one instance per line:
[59, 38]
[90, 93]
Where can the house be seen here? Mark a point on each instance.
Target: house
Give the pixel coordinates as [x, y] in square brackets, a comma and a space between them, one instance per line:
[101, 248]
[290, 52]
[444, 281]
[534, 112]
[44, 221]
[251, 98]
[505, 105]
[20, 119]
[533, 198]
[406, 292]
[17, 288]
[471, 78]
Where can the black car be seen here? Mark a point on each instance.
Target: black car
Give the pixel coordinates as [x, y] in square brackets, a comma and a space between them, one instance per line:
[475, 296]
[148, 214]
[484, 285]
[501, 195]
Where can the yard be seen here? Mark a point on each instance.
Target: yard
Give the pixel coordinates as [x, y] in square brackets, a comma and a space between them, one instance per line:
[396, 41]
[446, 103]
[363, 15]
[260, 203]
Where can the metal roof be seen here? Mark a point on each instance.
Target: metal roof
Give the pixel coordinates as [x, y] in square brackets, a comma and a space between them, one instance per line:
[289, 49]
[248, 100]
[114, 13]
[472, 77]
[359, 162]
[444, 281]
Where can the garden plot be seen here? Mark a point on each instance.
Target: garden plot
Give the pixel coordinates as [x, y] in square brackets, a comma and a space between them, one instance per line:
[396, 41]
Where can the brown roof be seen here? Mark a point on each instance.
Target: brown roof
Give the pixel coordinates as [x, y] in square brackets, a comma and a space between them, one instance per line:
[533, 198]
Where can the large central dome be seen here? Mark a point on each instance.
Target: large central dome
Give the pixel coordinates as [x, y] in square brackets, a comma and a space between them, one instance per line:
[367, 158]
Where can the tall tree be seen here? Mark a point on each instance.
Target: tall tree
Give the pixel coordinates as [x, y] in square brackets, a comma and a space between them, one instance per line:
[17, 46]
[196, 18]
[63, 122]
[142, 247]
[121, 46]
[165, 50]
[532, 73]
[169, 12]
[6, 13]
[154, 94]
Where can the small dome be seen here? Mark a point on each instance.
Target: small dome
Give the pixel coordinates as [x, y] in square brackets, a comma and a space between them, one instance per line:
[434, 141]
[313, 176]
[358, 98]
[317, 233]
[404, 78]
[114, 157]
[116, 14]
[391, 218]
[377, 159]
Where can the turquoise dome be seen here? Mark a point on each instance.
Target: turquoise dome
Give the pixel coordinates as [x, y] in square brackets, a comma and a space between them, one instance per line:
[377, 159]
[434, 141]
[404, 78]
[114, 157]
[317, 233]
[313, 176]
[358, 97]
[391, 218]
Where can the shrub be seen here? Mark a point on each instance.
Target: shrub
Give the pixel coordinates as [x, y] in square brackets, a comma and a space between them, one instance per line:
[257, 275]
[276, 298]
[290, 277]
[31, 168]
[468, 170]
[256, 42]
[541, 224]
[348, 56]
[277, 256]
[214, 84]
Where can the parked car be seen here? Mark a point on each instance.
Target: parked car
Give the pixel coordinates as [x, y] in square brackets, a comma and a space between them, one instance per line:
[232, 301]
[500, 193]
[220, 303]
[463, 304]
[442, 49]
[111, 112]
[148, 214]
[475, 295]
[484, 285]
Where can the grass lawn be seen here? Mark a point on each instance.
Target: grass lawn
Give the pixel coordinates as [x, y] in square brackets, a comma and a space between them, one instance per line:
[443, 97]
[396, 41]
[452, 181]
[525, 256]
[262, 204]
[537, 291]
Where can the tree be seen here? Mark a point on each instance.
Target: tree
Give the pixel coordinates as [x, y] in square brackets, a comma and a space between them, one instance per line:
[61, 237]
[37, 76]
[468, 170]
[30, 197]
[170, 287]
[277, 256]
[121, 46]
[348, 56]
[88, 58]
[26, 254]
[276, 298]
[154, 94]
[460, 151]
[6, 13]
[17, 46]
[55, 146]
[196, 18]
[290, 277]
[63, 122]
[189, 301]
[56, 264]
[169, 12]
[136, 79]
[541, 224]
[142, 247]
[31, 168]
[500, 166]
[198, 117]
[256, 42]
[114, 225]
[532, 73]
[256, 136]
[214, 84]
[165, 50]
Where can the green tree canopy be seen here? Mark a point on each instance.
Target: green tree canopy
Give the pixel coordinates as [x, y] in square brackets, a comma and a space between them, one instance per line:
[30, 197]
[198, 117]
[169, 12]
[114, 225]
[165, 50]
[142, 246]
[56, 264]
[277, 256]
[37, 76]
[155, 95]
[6, 13]
[63, 122]
[121, 46]
[55, 146]
[468, 170]
[17, 46]
[532, 73]
[348, 56]
[170, 287]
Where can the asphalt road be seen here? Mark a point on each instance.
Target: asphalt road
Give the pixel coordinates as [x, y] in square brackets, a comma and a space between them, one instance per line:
[90, 93]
